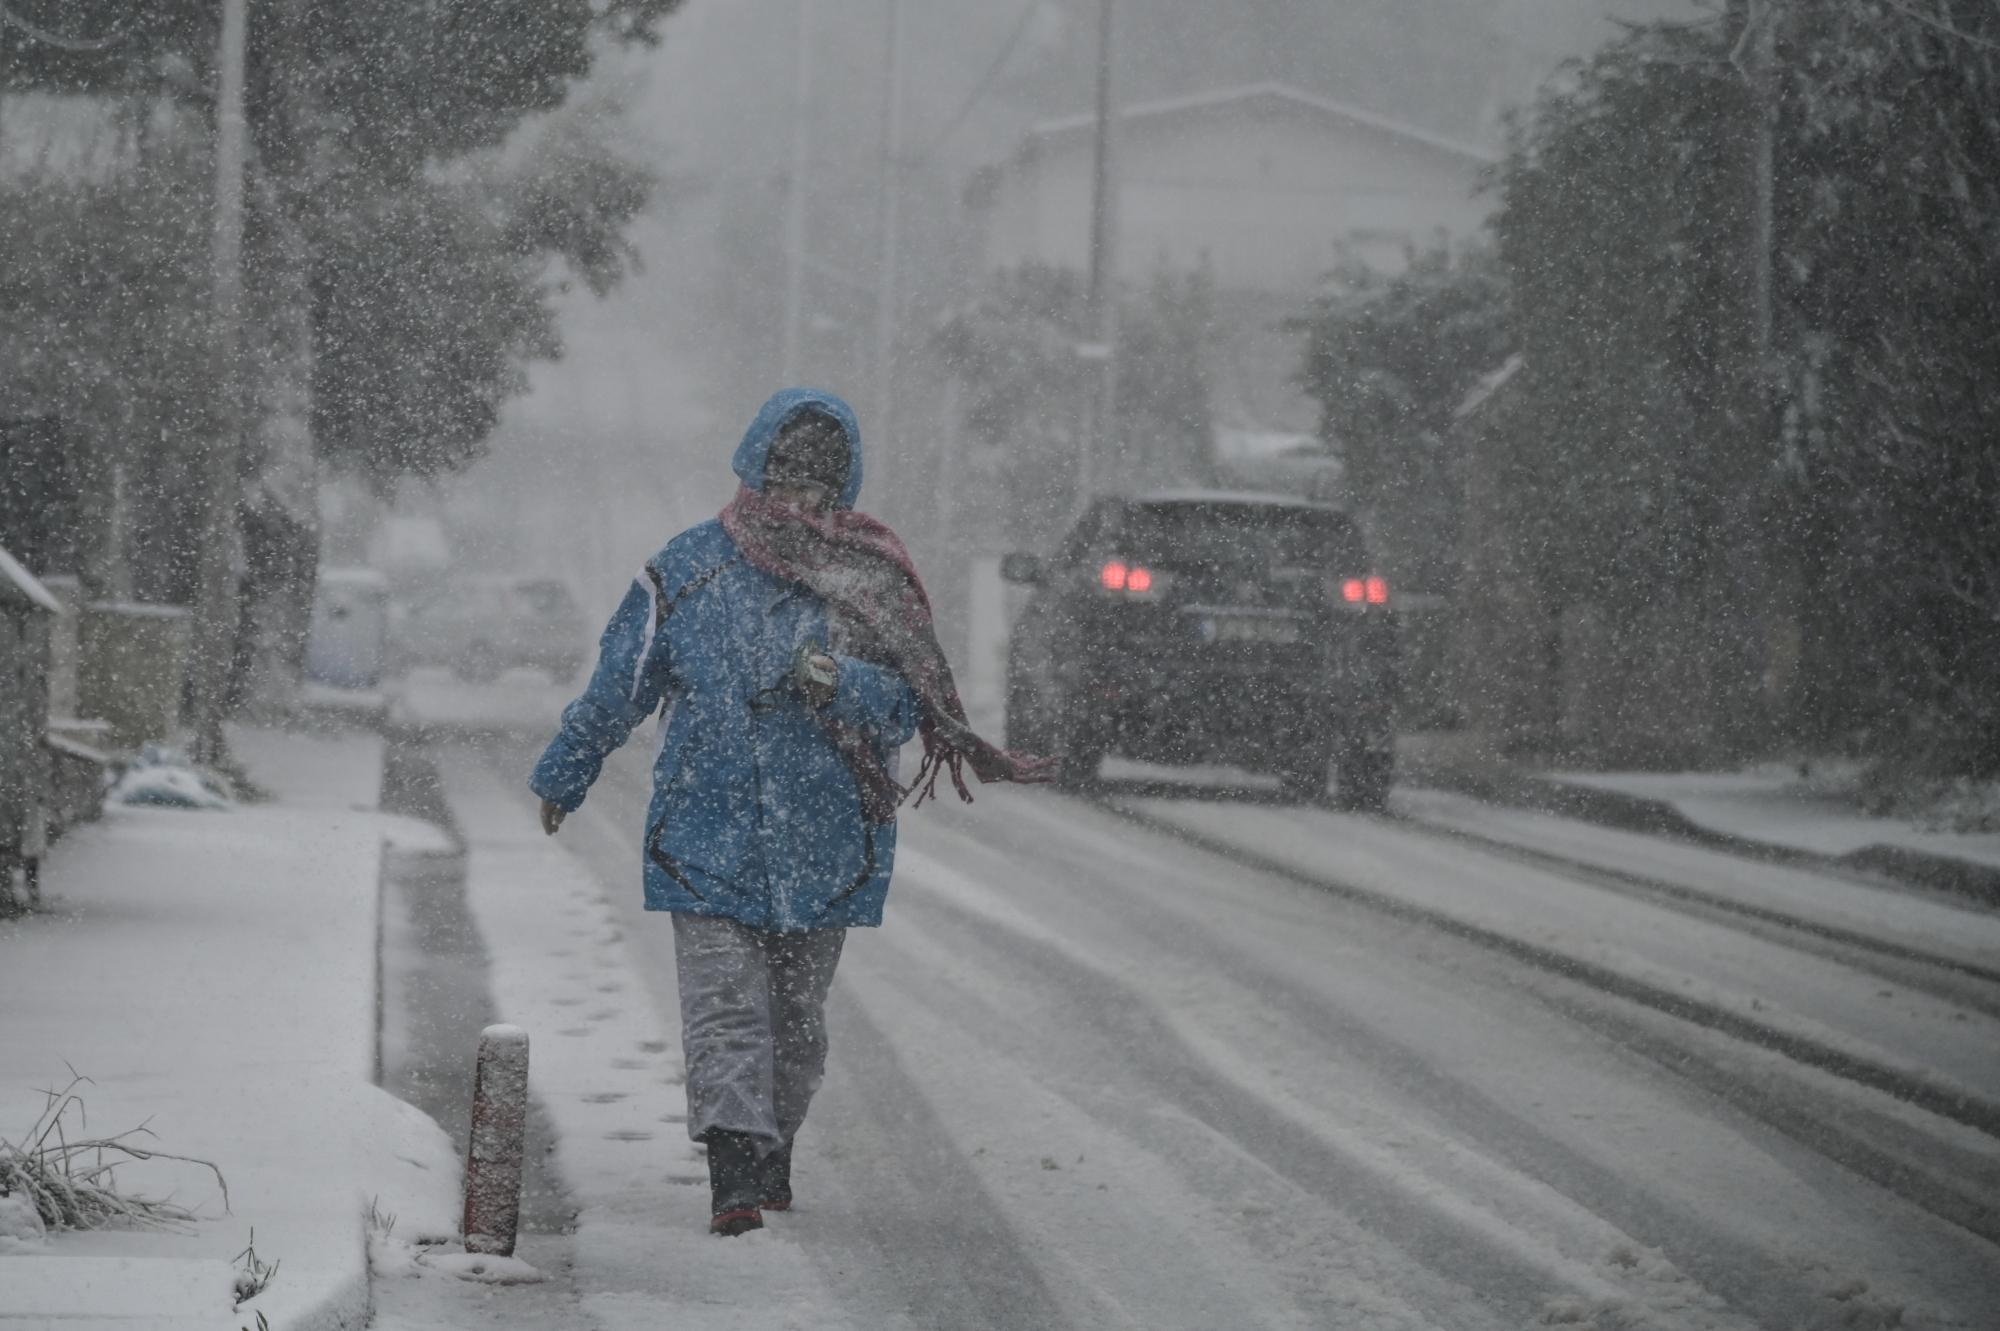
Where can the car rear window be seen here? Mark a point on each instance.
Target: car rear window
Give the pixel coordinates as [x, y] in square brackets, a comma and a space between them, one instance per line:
[1228, 533]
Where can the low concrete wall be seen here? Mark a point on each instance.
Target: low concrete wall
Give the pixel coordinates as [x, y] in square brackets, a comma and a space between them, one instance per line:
[24, 763]
[63, 641]
[131, 667]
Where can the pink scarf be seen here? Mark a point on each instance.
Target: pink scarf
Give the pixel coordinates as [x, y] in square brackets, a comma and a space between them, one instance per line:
[864, 574]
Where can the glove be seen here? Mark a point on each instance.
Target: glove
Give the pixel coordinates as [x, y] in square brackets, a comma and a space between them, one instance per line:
[815, 674]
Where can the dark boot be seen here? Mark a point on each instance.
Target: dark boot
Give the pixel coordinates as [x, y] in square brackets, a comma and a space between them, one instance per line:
[774, 1179]
[733, 1182]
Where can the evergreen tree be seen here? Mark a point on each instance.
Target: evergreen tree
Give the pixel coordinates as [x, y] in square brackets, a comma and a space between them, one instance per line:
[1015, 348]
[1389, 359]
[427, 287]
[1852, 484]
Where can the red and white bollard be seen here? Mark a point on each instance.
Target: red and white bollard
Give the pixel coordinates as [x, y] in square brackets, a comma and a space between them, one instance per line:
[499, 1132]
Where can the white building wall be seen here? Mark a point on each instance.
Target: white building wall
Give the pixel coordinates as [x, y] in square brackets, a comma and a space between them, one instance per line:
[1263, 200]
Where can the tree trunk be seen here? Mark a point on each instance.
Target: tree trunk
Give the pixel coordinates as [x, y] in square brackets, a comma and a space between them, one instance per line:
[281, 534]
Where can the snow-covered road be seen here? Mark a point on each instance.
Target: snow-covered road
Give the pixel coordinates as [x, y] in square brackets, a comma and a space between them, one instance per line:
[1142, 1061]
[1938, 1047]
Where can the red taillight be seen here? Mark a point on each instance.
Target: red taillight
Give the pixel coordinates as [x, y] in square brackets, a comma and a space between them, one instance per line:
[1118, 577]
[1378, 591]
[1352, 590]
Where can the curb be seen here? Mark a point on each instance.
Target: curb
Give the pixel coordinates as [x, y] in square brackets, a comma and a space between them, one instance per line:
[343, 1303]
[1940, 873]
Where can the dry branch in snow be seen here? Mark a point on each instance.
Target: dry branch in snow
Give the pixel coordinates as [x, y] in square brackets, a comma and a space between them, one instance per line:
[70, 1182]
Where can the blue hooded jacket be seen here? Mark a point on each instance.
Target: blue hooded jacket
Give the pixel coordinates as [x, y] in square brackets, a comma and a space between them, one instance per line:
[754, 814]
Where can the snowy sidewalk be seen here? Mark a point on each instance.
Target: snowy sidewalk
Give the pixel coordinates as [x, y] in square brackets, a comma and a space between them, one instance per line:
[606, 1065]
[1769, 808]
[213, 973]
[1779, 808]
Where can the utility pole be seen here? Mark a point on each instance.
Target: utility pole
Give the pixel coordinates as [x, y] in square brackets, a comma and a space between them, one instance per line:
[888, 221]
[795, 196]
[1103, 269]
[215, 622]
[1754, 58]
[1742, 543]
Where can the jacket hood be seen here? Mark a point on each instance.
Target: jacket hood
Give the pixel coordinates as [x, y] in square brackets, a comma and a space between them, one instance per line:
[779, 412]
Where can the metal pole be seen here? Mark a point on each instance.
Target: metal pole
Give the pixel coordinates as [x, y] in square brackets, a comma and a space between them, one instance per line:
[216, 612]
[795, 195]
[1103, 265]
[946, 516]
[888, 224]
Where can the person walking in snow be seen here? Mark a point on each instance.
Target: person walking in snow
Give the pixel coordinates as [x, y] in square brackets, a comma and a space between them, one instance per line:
[789, 648]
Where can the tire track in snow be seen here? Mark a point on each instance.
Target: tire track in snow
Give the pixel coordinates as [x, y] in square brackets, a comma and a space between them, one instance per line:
[1933, 1164]
[1072, 852]
[1953, 978]
[1519, 1247]
[1177, 1227]
[1799, 1037]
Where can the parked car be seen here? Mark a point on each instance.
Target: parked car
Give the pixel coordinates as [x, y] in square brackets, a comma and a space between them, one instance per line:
[349, 623]
[481, 626]
[1210, 627]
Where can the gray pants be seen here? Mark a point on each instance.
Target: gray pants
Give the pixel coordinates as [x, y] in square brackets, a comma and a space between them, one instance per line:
[753, 1024]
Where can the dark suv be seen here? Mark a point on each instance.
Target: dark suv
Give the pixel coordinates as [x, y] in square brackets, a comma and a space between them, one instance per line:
[1208, 627]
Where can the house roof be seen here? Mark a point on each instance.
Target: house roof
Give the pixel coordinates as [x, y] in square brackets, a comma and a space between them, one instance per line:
[1273, 95]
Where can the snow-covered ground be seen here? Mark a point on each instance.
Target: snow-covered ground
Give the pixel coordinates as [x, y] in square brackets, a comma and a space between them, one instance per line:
[1946, 928]
[523, 699]
[1758, 979]
[212, 973]
[1137, 1064]
[1132, 1060]
[1777, 807]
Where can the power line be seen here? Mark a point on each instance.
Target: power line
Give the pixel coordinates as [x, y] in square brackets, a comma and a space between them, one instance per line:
[1944, 26]
[979, 90]
[13, 20]
[795, 194]
[888, 222]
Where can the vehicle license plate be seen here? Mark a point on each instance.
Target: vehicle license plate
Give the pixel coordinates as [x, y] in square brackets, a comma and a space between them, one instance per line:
[1248, 628]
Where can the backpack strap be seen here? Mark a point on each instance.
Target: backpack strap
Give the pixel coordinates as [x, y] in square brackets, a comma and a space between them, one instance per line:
[663, 606]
